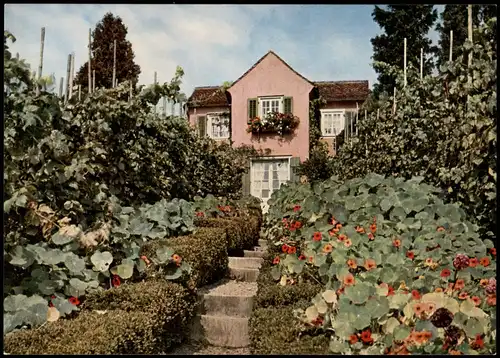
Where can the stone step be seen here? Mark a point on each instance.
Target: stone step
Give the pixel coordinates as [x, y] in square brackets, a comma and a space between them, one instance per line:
[245, 262]
[225, 331]
[262, 242]
[254, 253]
[244, 274]
[230, 298]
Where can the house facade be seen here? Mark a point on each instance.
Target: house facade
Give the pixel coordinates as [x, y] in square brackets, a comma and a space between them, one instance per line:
[272, 86]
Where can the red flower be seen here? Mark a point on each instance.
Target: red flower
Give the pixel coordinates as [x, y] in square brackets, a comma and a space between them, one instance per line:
[366, 336]
[445, 273]
[200, 214]
[390, 292]
[478, 342]
[473, 262]
[115, 281]
[353, 339]
[476, 300]
[415, 295]
[74, 301]
[292, 250]
[493, 251]
[284, 248]
[297, 224]
[485, 261]
[276, 260]
[317, 236]
[370, 236]
[302, 257]
[296, 208]
[396, 243]
[410, 255]
[463, 295]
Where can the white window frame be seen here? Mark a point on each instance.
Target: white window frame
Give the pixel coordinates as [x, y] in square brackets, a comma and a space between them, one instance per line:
[270, 159]
[333, 129]
[262, 100]
[216, 117]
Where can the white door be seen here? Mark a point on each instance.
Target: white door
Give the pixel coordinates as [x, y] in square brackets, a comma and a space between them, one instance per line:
[267, 175]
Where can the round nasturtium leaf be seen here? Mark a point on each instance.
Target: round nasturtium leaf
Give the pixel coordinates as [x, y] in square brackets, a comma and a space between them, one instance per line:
[53, 314]
[311, 313]
[330, 296]
[101, 260]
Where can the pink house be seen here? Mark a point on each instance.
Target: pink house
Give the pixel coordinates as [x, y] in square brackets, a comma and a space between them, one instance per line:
[272, 86]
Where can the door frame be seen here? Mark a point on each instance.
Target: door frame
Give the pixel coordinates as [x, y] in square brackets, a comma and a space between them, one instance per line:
[270, 159]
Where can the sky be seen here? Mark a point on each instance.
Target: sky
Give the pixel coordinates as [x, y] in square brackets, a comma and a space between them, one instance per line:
[212, 43]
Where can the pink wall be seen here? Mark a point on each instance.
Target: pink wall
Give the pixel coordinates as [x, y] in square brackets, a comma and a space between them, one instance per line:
[203, 111]
[271, 77]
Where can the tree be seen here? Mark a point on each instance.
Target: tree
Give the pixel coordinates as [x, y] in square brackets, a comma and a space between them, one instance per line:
[110, 28]
[412, 22]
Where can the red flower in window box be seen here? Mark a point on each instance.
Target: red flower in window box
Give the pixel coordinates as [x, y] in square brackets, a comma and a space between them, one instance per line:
[273, 122]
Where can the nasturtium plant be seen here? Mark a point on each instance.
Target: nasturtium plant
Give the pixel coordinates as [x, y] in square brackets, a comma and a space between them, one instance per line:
[402, 270]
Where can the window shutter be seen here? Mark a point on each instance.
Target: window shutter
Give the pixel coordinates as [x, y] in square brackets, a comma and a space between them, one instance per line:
[252, 108]
[288, 109]
[246, 179]
[202, 126]
[294, 163]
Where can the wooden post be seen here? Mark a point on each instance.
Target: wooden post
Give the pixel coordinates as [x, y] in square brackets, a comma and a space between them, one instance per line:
[352, 122]
[165, 106]
[394, 102]
[378, 114]
[345, 129]
[40, 66]
[79, 93]
[451, 45]
[172, 107]
[421, 63]
[61, 86]
[68, 70]
[17, 56]
[404, 61]
[72, 69]
[130, 91]
[90, 61]
[154, 78]
[469, 78]
[116, 82]
[357, 118]
[114, 63]
[93, 80]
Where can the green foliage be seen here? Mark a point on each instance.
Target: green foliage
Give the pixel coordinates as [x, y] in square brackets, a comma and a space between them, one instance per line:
[205, 251]
[87, 184]
[275, 122]
[144, 318]
[109, 29]
[319, 164]
[455, 18]
[383, 249]
[437, 133]
[398, 22]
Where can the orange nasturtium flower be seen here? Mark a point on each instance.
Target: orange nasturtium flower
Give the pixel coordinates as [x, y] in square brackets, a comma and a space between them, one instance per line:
[352, 263]
[485, 261]
[327, 248]
[370, 264]
[349, 280]
[396, 243]
[317, 236]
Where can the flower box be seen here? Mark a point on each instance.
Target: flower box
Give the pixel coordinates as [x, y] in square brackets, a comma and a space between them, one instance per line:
[275, 122]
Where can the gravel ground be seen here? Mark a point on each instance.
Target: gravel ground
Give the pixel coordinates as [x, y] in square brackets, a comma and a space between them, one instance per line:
[192, 348]
[228, 287]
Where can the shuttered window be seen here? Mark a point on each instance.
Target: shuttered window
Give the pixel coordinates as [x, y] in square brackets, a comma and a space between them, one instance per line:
[202, 126]
[252, 107]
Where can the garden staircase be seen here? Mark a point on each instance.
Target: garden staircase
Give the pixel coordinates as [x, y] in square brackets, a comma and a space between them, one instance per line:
[224, 308]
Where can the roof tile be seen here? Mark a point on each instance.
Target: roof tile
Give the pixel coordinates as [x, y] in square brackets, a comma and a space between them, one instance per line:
[343, 90]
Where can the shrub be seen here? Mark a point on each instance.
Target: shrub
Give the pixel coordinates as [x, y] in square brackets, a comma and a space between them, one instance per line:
[143, 318]
[242, 232]
[205, 251]
[396, 263]
[319, 164]
[276, 331]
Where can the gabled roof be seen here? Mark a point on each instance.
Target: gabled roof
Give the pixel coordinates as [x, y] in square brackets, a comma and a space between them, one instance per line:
[279, 58]
[343, 90]
[208, 96]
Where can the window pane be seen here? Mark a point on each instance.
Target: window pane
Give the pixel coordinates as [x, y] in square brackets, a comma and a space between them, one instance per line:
[265, 193]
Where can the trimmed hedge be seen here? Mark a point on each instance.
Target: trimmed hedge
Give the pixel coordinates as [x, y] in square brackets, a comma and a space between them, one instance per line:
[205, 250]
[142, 318]
[277, 331]
[273, 327]
[242, 232]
